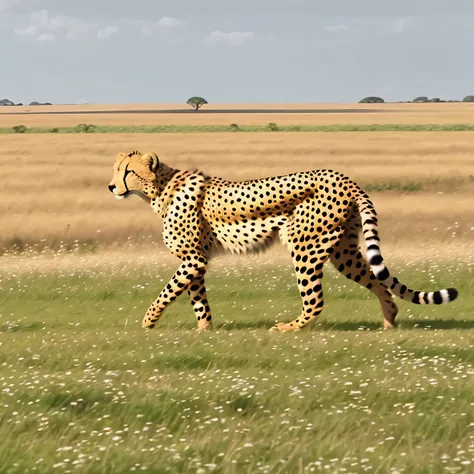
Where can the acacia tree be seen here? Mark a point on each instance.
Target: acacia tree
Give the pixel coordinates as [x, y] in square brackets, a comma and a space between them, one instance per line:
[196, 102]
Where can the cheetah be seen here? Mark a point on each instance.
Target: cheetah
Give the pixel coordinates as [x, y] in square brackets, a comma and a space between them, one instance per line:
[320, 215]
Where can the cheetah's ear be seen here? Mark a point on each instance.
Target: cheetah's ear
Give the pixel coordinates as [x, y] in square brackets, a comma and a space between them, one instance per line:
[150, 160]
[119, 157]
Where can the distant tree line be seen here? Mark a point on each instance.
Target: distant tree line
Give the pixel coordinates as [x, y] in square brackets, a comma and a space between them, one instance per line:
[197, 102]
[417, 100]
[6, 102]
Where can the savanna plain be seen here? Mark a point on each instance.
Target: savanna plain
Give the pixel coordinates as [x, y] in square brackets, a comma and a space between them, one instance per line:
[83, 388]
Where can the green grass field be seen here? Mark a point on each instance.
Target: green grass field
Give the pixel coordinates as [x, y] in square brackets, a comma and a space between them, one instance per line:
[85, 389]
[236, 128]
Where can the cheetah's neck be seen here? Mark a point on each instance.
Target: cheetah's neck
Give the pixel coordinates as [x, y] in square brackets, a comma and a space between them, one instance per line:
[166, 186]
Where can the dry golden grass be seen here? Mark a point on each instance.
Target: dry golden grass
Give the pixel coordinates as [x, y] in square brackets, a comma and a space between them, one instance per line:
[389, 114]
[55, 186]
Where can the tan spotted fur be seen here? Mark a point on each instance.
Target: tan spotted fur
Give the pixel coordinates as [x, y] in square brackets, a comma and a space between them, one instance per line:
[319, 215]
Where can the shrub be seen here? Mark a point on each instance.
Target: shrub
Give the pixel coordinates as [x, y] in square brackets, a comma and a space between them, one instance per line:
[272, 126]
[421, 99]
[234, 127]
[371, 100]
[85, 128]
[468, 98]
[19, 129]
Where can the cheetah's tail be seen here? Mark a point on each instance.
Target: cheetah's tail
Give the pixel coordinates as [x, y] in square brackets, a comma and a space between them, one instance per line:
[375, 259]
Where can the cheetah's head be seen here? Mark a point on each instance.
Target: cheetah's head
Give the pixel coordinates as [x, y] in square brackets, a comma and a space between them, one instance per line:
[135, 173]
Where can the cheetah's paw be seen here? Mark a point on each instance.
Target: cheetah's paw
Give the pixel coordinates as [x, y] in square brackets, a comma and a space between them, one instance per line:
[147, 323]
[284, 327]
[203, 328]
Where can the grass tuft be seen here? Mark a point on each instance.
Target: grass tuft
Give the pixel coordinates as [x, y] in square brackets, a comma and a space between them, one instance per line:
[398, 186]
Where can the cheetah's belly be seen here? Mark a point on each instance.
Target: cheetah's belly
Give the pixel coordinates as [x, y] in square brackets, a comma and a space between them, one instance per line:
[249, 235]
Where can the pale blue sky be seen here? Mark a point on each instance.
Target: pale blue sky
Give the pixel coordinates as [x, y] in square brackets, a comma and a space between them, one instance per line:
[122, 51]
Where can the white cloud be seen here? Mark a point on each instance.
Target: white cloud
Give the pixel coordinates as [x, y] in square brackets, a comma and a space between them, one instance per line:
[44, 24]
[335, 28]
[30, 31]
[44, 37]
[107, 31]
[170, 22]
[401, 24]
[164, 24]
[6, 4]
[235, 38]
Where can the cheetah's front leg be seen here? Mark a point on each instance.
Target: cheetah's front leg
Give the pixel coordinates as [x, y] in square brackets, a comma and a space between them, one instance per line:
[185, 274]
[197, 293]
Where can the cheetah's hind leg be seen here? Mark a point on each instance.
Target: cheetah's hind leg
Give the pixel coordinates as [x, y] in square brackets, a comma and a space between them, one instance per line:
[309, 256]
[349, 261]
